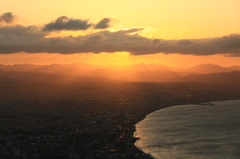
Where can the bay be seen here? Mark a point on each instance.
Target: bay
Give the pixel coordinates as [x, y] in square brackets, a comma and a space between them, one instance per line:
[192, 132]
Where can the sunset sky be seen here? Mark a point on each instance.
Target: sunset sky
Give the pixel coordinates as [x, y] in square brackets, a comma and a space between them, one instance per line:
[177, 33]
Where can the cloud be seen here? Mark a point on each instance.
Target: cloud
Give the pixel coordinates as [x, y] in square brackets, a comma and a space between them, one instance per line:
[184, 42]
[104, 23]
[32, 39]
[19, 31]
[7, 18]
[65, 23]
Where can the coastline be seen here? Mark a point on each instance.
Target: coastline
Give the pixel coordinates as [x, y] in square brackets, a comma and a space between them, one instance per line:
[133, 130]
[90, 123]
[142, 154]
[148, 155]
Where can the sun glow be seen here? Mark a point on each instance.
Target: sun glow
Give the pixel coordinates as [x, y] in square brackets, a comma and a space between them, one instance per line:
[117, 59]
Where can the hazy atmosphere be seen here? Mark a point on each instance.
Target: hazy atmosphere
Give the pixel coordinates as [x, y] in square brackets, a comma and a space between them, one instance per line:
[172, 33]
[129, 79]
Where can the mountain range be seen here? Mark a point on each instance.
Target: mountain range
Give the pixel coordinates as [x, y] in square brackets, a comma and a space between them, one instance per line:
[138, 72]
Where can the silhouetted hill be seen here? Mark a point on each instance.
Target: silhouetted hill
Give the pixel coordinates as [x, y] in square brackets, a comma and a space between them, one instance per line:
[209, 68]
[47, 78]
[227, 78]
[235, 67]
[149, 67]
[5, 80]
[19, 67]
[156, 76]
[136, 72]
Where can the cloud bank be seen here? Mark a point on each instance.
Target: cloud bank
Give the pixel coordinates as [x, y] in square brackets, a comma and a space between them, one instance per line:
[32, 39]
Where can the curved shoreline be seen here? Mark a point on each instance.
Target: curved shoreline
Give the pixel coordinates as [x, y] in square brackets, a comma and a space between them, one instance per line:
[142, 150]
[148, 155]
[133, 130]
[201, 103]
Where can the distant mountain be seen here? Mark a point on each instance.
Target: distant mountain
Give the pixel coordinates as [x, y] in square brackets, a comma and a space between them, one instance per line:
[235, 67]
[156, 76]
[137, 72]
[149, 67]
[209, 68]
[19, 67]
[227, 77]
[47, 77]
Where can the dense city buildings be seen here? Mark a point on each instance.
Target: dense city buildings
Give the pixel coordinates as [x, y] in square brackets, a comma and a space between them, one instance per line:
[88, 120]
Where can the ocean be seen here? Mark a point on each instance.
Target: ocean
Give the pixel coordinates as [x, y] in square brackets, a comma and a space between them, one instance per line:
[192, 132]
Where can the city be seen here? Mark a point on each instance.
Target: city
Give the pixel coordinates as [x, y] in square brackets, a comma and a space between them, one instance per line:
[88, 120]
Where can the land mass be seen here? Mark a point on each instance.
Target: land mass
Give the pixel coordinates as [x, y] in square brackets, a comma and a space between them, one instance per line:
[134, 73]
[50, 116]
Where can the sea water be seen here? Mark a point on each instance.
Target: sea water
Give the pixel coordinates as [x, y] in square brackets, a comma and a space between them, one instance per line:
[192, 132]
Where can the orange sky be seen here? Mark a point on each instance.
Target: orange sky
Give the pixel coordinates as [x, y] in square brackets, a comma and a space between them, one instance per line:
[173, 60]
[188, 32]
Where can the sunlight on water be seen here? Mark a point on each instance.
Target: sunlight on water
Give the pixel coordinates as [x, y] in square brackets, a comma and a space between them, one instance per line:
[192, 131]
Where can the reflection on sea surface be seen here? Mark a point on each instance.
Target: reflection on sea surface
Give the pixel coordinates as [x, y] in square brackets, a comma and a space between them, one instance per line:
[192, 131]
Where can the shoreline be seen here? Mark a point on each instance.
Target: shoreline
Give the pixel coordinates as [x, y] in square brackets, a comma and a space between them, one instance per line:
[148, 155]
[89, 121]
[143, 155]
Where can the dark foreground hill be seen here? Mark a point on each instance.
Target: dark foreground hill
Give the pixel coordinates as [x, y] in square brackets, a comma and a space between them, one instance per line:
[44, 118]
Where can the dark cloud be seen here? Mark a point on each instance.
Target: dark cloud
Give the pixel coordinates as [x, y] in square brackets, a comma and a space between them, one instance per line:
[104, 23]
[32, 40]
[65, 23]
[156, 42]
[7, 18]
[184, 42]
[228, 42]
[19, 31]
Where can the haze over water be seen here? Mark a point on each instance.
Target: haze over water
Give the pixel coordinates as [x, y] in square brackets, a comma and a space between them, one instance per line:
[192, 131]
